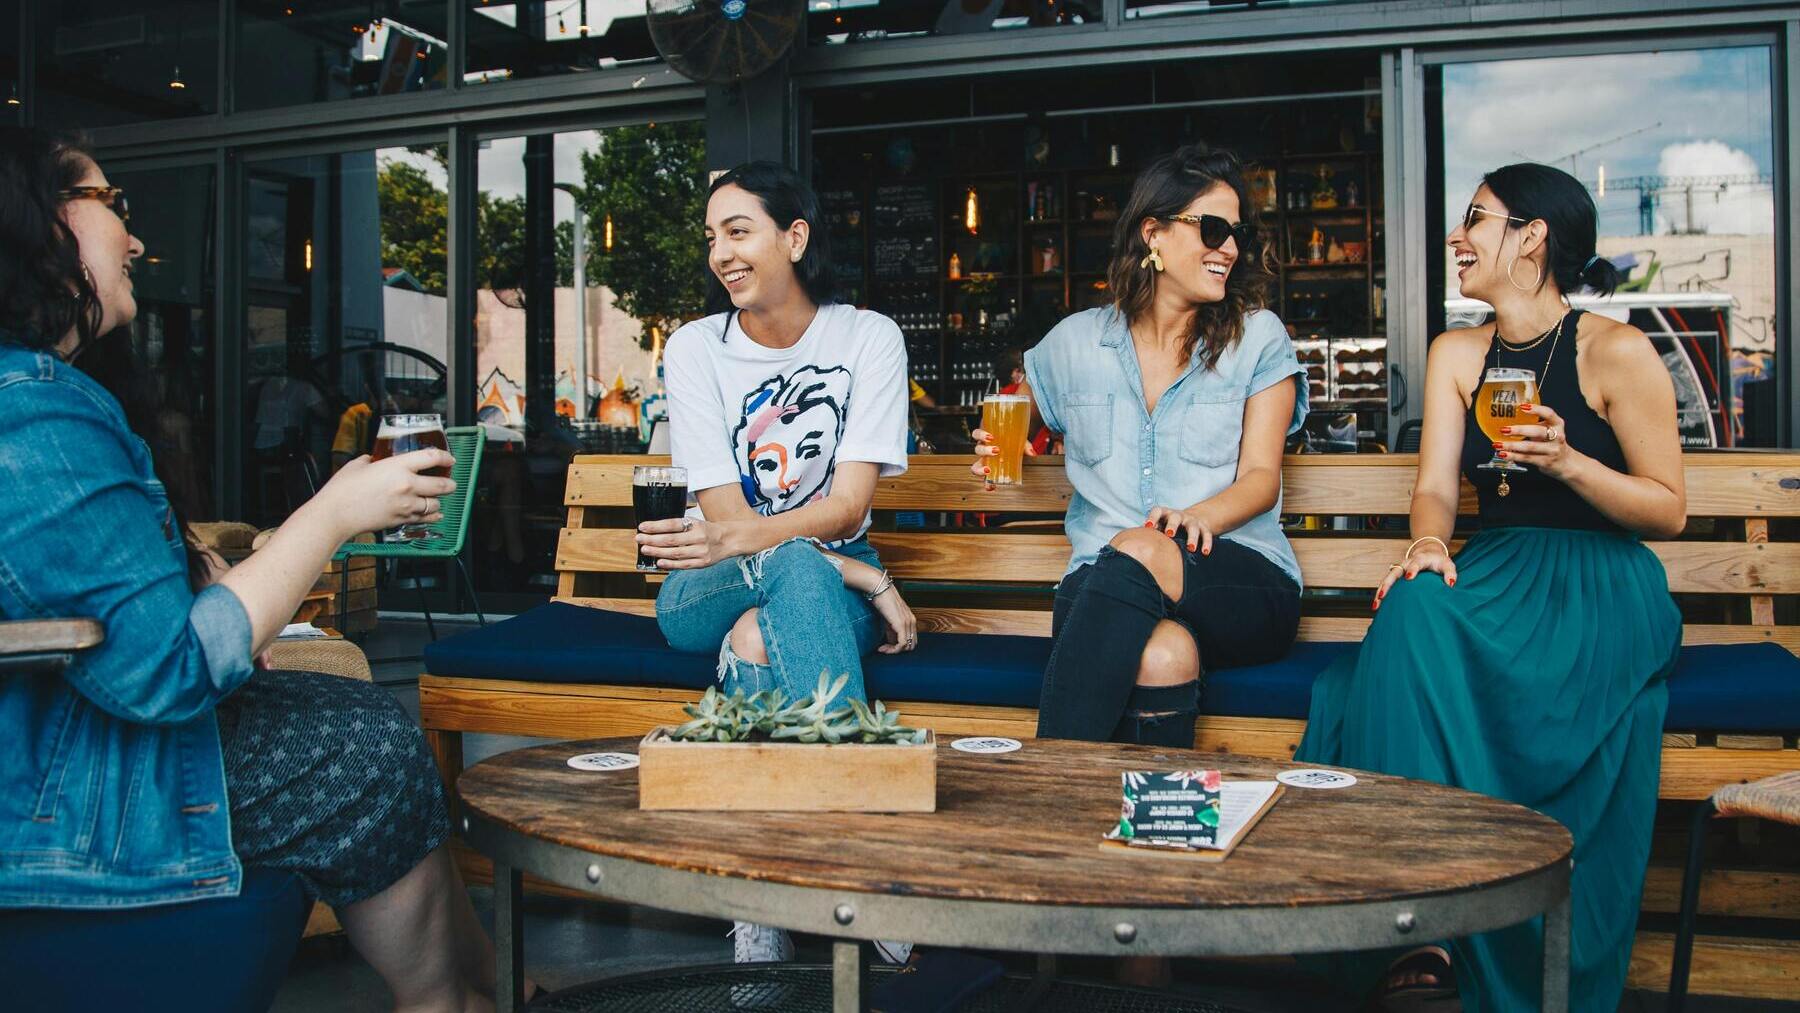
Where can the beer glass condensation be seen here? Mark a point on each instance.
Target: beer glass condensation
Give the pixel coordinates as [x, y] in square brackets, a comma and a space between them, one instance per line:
[1006, 417]
[403, 434]
[657, 494]
[1497, 405]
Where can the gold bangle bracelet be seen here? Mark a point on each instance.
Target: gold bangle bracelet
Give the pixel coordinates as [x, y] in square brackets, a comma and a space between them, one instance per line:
[1427, 538]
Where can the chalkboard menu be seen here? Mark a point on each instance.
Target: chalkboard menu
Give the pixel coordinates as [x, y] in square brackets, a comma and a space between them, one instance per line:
[843, 211]
[905, 207]
[903, 258]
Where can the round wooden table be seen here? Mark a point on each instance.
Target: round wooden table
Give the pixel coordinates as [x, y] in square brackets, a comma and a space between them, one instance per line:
[1011, 861]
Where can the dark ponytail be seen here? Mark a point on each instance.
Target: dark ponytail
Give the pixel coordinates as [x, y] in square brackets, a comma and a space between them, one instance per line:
[1531, 191]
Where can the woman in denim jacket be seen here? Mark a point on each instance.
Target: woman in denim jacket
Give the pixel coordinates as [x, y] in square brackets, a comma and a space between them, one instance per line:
[162, 762]
[1174, 404]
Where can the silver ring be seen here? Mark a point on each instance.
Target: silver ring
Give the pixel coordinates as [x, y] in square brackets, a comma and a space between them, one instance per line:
[687, 523]
[1550, 435]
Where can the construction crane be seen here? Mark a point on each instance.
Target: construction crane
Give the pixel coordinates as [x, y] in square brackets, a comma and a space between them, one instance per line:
[1651, 188]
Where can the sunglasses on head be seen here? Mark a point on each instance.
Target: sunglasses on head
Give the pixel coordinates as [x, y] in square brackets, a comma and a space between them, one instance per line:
[1472, 213]
[111, 196]
[1215, 230]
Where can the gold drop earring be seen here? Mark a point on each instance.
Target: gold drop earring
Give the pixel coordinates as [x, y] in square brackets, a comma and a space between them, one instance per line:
[1153, 260]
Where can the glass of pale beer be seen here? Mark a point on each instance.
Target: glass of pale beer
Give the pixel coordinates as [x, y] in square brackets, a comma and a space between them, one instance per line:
[1497, 405]
[403, 434]
[1006, 417]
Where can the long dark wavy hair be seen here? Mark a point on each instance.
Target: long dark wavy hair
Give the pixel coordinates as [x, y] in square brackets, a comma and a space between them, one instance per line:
[44, 292]
[1167, 186]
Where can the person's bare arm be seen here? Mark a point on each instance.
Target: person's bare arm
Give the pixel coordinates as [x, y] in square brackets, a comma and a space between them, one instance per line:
[1650, 496]
[732, 528]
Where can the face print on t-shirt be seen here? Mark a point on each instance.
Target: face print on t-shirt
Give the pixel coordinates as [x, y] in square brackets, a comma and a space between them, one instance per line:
[787, 439]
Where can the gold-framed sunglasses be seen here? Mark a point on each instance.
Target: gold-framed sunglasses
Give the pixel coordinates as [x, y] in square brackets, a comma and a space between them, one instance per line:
[1215, 230]
[1470, 213]
[111, 196]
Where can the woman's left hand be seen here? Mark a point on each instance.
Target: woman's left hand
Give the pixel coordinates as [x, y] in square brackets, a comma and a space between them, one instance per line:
[683, 543]
[1173, 522]
[1544, 446]
[902, 627]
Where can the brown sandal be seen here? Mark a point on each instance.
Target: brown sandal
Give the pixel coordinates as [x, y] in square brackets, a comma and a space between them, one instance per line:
[1440, 996]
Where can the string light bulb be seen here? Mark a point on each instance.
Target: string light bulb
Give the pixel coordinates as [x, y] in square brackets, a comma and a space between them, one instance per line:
[1602, 179]
[175, 81]
[584, 21]
[608, 240]
[972, 212]
[12, 98]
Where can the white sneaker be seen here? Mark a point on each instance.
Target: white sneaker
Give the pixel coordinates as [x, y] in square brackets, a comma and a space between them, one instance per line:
[892, 952]
[760, 944]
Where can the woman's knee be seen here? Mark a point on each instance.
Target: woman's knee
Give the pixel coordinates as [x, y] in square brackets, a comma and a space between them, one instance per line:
[1157, 552]
[1170, 658]
[747, 639]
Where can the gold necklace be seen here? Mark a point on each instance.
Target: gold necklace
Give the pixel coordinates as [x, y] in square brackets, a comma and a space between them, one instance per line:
[1504, 489]
[1529, 345]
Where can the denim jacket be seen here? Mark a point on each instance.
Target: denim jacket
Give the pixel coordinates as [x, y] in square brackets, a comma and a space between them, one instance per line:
[112, 786]
[1123, 460]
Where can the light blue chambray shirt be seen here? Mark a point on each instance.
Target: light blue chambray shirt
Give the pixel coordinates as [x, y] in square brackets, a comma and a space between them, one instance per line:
[1123, 460]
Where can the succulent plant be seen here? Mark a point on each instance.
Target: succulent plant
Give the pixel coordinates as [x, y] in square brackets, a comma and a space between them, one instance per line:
[767, 716]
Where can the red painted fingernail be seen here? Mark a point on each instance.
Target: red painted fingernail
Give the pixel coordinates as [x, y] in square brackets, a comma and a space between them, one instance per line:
[1410, 576]
[1497, 446]
[1524, 407]
[1451, 582]
[1193, 545]
[1206, 552]
[1149, 524]
[1374, 604]
[1503, 454]
[1506, 429]
[985, 470]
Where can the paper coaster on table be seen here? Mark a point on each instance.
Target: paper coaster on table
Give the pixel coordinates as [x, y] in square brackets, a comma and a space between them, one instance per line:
[604, 762]
[985, 744]
[1313, 778]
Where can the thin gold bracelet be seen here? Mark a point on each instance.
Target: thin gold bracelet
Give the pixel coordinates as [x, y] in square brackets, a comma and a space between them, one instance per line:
[1427, 538]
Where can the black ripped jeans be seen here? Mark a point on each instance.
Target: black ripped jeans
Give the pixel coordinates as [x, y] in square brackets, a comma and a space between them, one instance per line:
[1239, 606]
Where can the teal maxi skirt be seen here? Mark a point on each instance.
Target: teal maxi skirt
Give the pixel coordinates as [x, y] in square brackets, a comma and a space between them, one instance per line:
[1540, 678]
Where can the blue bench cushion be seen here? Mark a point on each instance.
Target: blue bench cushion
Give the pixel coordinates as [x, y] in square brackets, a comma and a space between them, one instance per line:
[1718, 687]
[222, 955]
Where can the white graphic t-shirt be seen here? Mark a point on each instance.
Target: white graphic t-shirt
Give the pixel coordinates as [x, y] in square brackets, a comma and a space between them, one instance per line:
[776, 421]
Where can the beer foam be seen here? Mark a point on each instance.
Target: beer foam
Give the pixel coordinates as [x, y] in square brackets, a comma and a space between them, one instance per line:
[390, 433]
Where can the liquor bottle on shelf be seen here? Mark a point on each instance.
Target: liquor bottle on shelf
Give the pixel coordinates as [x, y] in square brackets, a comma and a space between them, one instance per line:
[955, 267]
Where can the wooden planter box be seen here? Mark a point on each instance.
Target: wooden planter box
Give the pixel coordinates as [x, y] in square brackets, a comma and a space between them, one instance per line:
[786, 776]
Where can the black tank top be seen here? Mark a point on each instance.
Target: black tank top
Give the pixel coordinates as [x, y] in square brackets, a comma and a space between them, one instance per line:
[1533, 499]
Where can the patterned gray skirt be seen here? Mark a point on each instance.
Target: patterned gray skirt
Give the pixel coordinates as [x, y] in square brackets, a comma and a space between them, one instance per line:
[329, 778]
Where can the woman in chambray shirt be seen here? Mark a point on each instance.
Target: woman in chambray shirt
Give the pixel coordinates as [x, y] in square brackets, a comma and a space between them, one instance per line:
[1174, 404]
[162, 762]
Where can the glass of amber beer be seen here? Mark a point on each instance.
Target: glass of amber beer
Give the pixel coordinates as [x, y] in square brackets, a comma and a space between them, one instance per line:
[402, 434]
[1006, 417]
[1497, 405]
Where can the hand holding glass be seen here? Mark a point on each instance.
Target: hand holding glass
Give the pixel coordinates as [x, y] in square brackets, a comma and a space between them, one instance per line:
[1006, 417]
[1497, 405]
[657, 494]
[403, 434]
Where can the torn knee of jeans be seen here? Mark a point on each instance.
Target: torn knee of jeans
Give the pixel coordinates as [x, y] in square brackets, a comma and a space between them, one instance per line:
[752, 565]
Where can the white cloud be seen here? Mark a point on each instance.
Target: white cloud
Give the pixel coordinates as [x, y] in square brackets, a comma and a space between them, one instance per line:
[1739, 209]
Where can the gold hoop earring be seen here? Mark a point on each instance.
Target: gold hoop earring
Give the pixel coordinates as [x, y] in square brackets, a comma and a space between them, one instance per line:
[1153, 260]
[1535, 283]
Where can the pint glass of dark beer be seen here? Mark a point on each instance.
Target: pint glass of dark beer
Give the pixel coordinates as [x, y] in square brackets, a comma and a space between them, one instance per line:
[657, 494]
[401, 434]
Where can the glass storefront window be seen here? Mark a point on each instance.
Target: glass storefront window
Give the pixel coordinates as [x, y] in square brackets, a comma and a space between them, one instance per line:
[835, 22]
[1677, 149]
[169, 396]
[551, 37]
[292, 53]
[102, 63]
[346, 317]
[560, 370]
[1160, 8]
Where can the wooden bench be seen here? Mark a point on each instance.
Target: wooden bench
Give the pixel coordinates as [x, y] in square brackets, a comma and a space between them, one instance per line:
[1728, 572]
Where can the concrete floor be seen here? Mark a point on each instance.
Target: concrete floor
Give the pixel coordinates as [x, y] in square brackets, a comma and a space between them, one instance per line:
[568, 942]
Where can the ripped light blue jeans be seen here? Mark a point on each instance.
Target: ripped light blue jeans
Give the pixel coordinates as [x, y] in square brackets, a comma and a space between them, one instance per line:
[810, 622]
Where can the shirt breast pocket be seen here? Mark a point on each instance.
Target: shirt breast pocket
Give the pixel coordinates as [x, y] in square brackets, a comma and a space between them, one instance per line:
[1089, 418]
[1213, 425]
[165, 515]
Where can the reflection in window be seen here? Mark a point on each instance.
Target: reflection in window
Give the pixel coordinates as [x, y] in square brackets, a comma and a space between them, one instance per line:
[167, 395]
[1677, 149]
[1159, 8]
[343, 322]
[293, 53]
[560, 370]
[107, 62]
[831, 22]
[550, 37]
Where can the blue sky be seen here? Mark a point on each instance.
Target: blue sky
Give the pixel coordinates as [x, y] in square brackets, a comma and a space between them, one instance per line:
[1687, 112]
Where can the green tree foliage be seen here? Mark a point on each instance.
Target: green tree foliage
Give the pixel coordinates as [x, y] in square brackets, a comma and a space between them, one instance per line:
[651, 179]
[414, 213]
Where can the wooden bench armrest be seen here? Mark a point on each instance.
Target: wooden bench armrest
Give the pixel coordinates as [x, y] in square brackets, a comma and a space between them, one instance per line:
[48, 636]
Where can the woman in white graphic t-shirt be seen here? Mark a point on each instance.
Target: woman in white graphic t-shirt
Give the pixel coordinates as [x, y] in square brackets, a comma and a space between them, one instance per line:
[784, 407]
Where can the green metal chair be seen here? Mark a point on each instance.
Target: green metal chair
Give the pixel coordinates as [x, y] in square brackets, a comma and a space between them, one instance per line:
[447, 535]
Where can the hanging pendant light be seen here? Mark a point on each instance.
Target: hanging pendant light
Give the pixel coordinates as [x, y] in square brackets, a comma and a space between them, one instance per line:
[584, 22]
[13, 99]
[175, 81]
[972, 212]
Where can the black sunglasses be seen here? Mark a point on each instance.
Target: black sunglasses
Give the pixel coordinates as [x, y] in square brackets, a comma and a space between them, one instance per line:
[1215, 230]
[1472, 213]
[111, 196]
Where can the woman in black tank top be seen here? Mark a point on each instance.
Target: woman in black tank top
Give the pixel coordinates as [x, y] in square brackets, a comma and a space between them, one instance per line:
[1532, 665]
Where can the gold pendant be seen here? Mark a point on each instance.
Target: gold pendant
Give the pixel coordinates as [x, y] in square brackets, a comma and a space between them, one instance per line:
[1503, 488]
